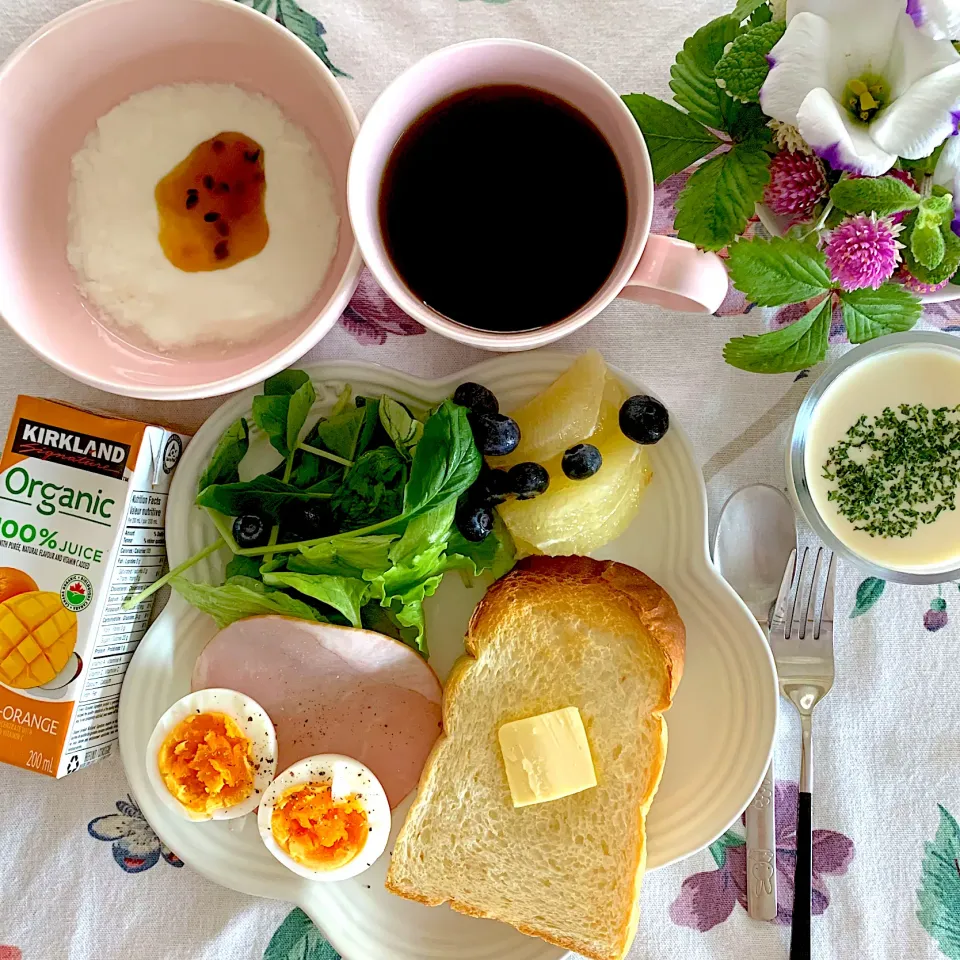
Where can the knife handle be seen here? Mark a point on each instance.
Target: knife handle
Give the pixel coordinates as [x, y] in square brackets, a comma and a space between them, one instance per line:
[762, 852]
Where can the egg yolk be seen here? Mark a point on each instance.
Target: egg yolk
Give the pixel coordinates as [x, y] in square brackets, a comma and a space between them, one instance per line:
[211, 205]
[206, 763]
[317, 831]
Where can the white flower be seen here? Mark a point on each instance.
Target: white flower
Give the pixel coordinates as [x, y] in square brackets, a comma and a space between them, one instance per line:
[939, 19]
[862, 84]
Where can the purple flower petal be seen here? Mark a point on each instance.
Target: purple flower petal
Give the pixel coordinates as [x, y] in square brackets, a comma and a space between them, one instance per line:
[705, 900]
[915, 12]
[831, 153]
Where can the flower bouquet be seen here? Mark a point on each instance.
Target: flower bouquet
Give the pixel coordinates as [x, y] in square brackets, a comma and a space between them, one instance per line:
[838, 119]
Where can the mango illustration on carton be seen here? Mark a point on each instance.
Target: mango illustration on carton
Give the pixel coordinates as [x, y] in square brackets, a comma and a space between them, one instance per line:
[82, 506]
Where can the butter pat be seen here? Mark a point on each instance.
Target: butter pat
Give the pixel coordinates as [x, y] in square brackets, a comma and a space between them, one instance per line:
[547, 757]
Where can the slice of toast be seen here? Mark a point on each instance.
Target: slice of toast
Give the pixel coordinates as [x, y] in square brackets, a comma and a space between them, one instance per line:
[556, 632]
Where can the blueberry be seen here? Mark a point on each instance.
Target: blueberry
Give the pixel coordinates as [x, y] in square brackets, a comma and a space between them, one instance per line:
[528, 480]
[491, 487]
[251, 531]
[474, 521]
[494, 434]
[644, 419]
[581, 461]
[476, 398]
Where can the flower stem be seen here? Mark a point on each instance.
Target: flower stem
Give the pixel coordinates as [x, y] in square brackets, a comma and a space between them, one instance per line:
[818, 226]
[131, 602]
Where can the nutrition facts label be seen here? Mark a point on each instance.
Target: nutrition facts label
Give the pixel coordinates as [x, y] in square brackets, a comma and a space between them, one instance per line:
[138, 562]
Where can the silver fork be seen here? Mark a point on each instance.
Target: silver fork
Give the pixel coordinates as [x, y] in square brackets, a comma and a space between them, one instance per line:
[801, 637]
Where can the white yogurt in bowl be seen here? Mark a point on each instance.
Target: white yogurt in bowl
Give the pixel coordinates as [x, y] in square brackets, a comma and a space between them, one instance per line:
[875, 457]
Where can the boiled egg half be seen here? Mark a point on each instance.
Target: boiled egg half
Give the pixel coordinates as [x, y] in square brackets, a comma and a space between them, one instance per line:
[325, 818]
[212, 755]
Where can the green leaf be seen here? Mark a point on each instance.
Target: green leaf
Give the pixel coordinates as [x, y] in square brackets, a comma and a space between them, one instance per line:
[285, 384]
[343, 403]
[742, 70]
[339, 433]
[495, 552]
[224, 463]
[714, 206]
[426, 531]
[693, 78]
[939, 893]
[241, 598]
[446, 463]
[301, 403]
[282, 415]
[309, 29]
[925, 166]
[746, 8]
[763, 14]
[298, 939]
[345, 557]
[261, 6]
[939, 208]
[880, 195]
[926, 243]
[868, 314]
[868, 593]
[951, 255]
[264, 496]
[344, 594]
[801, 345]
[674, 139]
[403, 429]
[372, 490]
[777, 271]
[242, 567]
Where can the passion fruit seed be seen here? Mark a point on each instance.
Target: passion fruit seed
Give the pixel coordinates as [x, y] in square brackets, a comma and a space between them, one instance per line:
[476, 398]
[581, 461]
[474, 521]
[528, 480]
[644, 419]
[494, 434]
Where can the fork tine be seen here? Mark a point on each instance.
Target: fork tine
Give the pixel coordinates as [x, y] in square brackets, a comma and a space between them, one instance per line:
[811, 604]
[779, 619]
[826, 606]
[797, 588]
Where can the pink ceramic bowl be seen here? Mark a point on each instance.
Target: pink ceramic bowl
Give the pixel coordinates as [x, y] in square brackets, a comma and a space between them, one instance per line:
[53, 90]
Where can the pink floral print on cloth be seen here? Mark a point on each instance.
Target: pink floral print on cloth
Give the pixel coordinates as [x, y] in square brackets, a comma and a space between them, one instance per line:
[10, 953]
[371, 315]
[707, 899]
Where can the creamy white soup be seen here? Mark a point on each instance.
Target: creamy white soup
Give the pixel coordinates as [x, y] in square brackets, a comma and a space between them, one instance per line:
[882, 458]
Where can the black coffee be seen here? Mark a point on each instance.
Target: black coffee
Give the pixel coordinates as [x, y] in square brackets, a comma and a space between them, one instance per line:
[503, 208]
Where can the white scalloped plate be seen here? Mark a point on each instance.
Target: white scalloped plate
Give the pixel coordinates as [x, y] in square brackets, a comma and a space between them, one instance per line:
[721, 726]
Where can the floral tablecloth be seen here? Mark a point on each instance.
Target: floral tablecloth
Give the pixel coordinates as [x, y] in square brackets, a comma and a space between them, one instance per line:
[82, 875]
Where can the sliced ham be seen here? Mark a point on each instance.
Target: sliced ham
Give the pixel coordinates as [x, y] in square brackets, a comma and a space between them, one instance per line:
[332, 689]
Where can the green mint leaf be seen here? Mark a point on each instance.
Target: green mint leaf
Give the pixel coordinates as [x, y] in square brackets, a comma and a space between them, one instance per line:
[264, 495]
[742, 70]
[936, 209]
[880, 195]
[951, 255]
[746, 8]
[714, 206]
[231, 448]
[344, 594]
[674, 139]
[372, 490]
[874, 313]
[692, 77]
[938, 897]
[777, 271]
[402, 427]
[801, 345]
[926, 243]
[243, 597]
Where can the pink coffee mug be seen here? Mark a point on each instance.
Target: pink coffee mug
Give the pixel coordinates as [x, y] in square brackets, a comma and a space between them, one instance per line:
[651, 268]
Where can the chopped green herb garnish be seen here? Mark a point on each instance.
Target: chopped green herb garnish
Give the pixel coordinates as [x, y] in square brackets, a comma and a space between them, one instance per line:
[898, 470]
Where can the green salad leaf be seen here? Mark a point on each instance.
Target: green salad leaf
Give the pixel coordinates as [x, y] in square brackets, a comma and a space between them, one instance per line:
[402, 427]
[224, 463]
[344, 594]
[241, 597]
[372, 490]
[265, 496]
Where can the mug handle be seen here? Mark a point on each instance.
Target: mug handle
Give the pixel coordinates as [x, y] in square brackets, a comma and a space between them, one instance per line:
[673, 273]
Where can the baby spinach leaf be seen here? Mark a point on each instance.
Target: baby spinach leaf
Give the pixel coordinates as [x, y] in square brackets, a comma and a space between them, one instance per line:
[231, 448]
[301, 403]
[243, 567]
[343, 401]
[344, 594]
[285, 383]
[265, 496]
[372, 490]
[446, 461]
[242, 597]
[401, 426]
[339, 433]
[281, 415]
[369, 429]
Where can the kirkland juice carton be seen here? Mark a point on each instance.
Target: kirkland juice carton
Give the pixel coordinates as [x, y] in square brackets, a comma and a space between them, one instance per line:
[83, 498]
